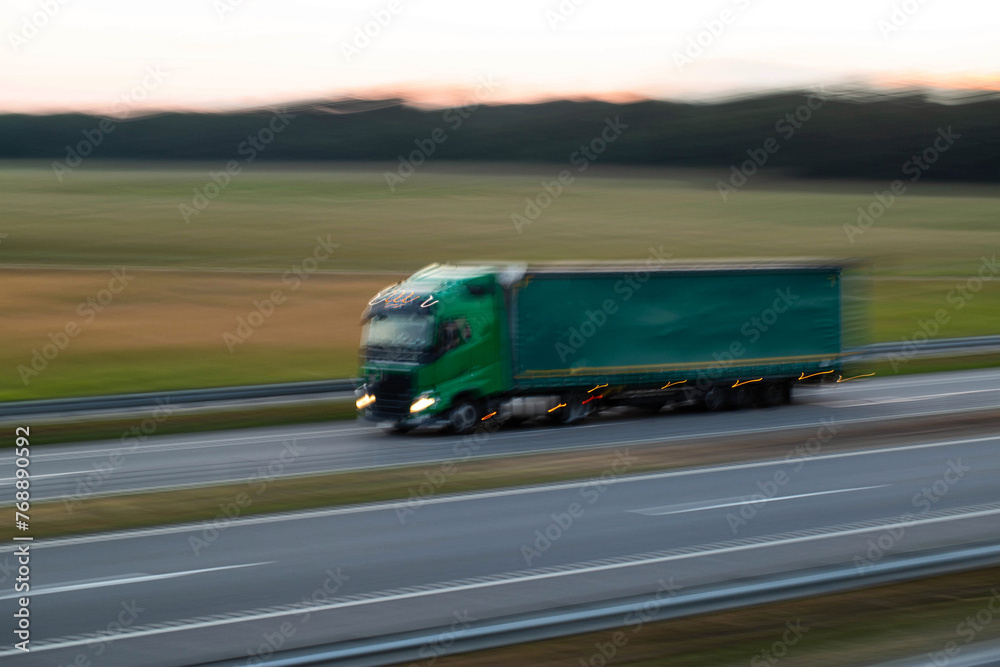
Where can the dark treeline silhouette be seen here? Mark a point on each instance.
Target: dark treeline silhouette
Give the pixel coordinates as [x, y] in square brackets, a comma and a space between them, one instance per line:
[868, 136]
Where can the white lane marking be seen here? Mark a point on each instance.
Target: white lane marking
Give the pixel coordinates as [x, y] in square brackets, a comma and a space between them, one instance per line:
[530, 450]
[277, 438]
[482, 495]
[902, 399]
[52, 474]
[184, 625]
[673, 509]
[883, 383]
[121, 581]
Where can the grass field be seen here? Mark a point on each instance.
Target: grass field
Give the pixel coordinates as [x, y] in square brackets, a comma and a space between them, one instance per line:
[189, 282]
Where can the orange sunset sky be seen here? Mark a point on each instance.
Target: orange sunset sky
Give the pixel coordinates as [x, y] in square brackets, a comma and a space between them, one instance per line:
[115, 56]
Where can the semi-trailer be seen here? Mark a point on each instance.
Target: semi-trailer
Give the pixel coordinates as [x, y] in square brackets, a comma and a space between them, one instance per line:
[456, 345]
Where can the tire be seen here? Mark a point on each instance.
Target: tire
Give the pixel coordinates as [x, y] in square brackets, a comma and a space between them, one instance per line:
[574, 412]
[744, 398]
[716, 398]
[773, 394]
[463, 417]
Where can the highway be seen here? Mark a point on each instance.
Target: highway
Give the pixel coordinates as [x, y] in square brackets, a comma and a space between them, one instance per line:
[191, 594]
[159, 462]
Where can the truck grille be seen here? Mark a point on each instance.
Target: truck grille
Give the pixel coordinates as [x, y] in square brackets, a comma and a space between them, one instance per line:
[392, 397]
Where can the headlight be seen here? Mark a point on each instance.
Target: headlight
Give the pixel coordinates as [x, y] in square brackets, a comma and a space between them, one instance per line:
[422, 403]
[364, 401]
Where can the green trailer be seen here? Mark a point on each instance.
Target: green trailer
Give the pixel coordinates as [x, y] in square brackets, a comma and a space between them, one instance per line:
[456, 345]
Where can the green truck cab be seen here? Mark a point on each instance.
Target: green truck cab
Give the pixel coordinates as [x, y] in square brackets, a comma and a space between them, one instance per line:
[458, 345]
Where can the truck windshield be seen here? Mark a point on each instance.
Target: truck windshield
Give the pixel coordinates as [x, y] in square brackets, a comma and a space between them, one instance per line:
[406, 331]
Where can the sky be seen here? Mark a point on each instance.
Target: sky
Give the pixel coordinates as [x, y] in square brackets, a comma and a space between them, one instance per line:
[127, 56]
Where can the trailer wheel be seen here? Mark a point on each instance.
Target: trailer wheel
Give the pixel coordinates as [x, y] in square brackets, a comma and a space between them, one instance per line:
[463, 417]
[649, 406]
[716, 398]
[574, 412]
[744, 398]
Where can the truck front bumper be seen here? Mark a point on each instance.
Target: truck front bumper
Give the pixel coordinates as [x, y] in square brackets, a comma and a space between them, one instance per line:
[408, 422]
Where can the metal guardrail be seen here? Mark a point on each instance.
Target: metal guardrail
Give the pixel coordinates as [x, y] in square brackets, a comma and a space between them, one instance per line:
[289, 389]
[930, 347]
[408, 647]
[186, 396]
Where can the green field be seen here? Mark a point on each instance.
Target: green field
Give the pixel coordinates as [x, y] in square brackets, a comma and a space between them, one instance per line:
[165, 329]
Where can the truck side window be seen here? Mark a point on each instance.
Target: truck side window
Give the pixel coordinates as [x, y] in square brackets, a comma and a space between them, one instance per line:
[454, 333]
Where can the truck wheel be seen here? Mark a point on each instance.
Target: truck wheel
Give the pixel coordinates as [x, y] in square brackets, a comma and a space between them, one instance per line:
[463, 417]
[773, 394]
[716, 398]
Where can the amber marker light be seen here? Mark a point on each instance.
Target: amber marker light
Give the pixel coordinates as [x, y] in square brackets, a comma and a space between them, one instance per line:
[803, 376]
[843, 379]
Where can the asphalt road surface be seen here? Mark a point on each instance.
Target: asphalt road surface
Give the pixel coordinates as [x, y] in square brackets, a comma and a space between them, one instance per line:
[157, 462]
[187, 594]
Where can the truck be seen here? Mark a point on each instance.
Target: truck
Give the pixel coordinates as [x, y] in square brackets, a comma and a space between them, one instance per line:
[455, 346]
